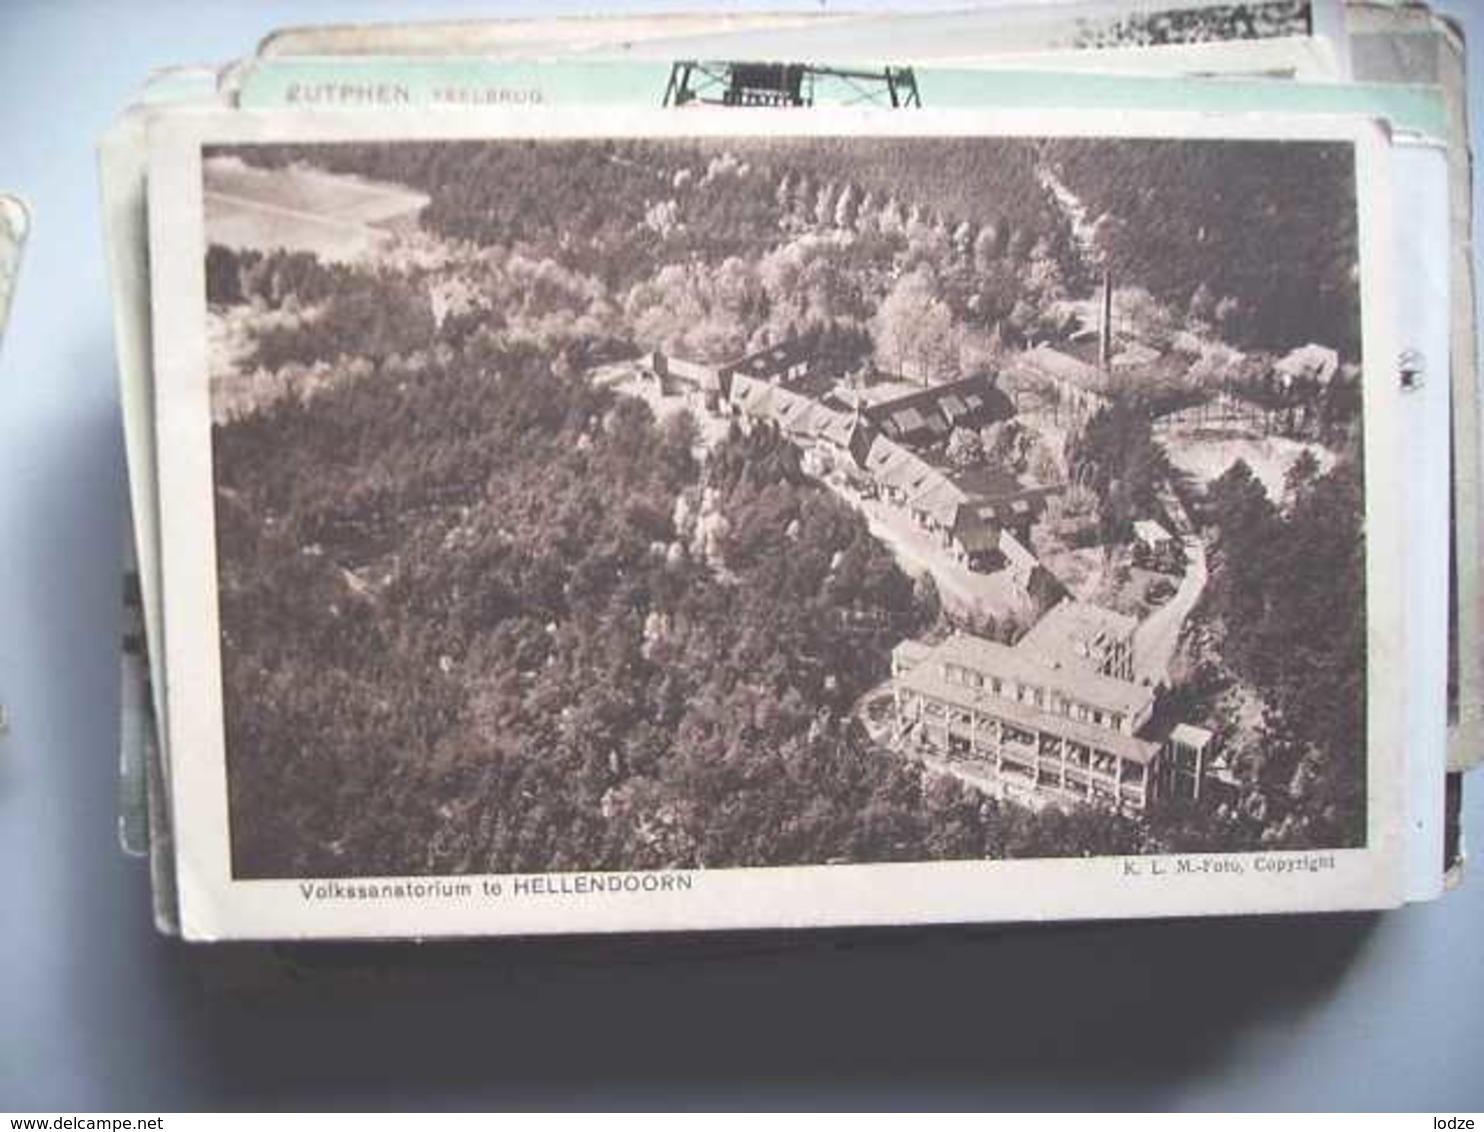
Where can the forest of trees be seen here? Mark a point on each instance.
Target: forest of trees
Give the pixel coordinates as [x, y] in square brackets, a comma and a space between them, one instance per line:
[1287, 601]
[712, 250]
[1256, 238]
[480, 615]
[485, 617]
[1114, 454]
[713, 246]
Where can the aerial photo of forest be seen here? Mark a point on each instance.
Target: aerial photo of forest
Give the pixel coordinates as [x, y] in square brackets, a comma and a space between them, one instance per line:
[506, 587]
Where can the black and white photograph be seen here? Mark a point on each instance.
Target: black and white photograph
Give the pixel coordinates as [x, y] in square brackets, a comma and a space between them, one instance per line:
[1197, 23]
[740, 555]
[596, 505]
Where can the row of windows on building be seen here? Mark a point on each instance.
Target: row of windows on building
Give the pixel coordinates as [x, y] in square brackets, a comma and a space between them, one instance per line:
[1057, 703]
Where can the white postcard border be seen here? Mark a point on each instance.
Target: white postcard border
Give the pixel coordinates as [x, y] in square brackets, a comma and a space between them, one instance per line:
[215, 906]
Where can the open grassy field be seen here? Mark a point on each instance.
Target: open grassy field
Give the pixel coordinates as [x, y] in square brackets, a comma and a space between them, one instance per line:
[1206, 451]
[248, 225]
[302, 189]
[301, 209]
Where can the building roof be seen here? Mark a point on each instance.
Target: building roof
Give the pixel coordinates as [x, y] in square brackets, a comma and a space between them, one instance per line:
[1315, 362]
[926, 678]
[939, 499]
[836, 427]
[879, 389]
[932, 412]
[1083, 685]
[1135, 355]
[1001, 497]
[770, 361]
[898, 468]
[917, 477]
[1189, 735]
[795, 413]
[700, 374]
[792, 411]
[987, 481]
[883, 455]
[1148, 530]
[975, 533]
[1071, 629]
[908, 420]
[1049, 362]
[911, 651]
[753, 397]
[1016, 551]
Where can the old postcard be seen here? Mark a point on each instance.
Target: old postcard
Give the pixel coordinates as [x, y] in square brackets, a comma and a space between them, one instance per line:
[410, 84]
[859, 518]
[1413, 45]
[1280, 38]
[1285, 37]
[122, 161]
[15, 222]
[1185, 36]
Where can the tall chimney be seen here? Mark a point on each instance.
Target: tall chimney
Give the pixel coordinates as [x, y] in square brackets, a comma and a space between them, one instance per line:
[1105, 323]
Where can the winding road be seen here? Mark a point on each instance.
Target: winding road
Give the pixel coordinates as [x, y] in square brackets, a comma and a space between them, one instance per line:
[1158, 634]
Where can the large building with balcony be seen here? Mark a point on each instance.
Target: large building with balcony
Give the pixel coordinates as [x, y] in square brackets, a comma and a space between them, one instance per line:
[1018, 726]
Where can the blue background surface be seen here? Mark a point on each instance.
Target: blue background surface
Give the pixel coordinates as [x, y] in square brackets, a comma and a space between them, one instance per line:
[99, 1013]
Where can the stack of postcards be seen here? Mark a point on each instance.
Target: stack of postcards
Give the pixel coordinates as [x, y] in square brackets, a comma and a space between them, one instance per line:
[772, 471]
[14, 222]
